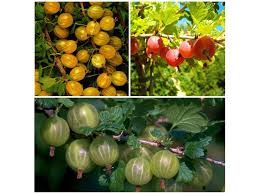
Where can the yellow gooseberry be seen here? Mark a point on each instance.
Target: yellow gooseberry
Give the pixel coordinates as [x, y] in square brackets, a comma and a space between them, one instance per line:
[51, 7]
[115, 42]
[98, 60]
[116, 60]
[69, 60]
[93, 28]
[60, 45]
[74, 88]
[91, 91]
[103, 80]
[70, 46]
[95, 12]
[61, 32]
[107, 51]
[107, 23]
[121, 93]
[81, 33]
[82, 55]
[110, 91]
[77, 73]
[65, 20]
[102, 38]
[119, 78]
[37, 88]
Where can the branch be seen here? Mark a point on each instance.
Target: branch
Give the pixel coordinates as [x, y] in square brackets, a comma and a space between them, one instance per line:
[82, 7]
[58, 63]
[141, 76]
[177, 150]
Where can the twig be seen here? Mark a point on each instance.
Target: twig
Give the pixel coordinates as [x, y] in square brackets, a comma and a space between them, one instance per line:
[177, 150]
[151, 85]
[58, 63]
[48, 112]
[82, 7]
[141, 76]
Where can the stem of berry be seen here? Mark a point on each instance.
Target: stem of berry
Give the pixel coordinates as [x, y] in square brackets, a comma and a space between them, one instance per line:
[109, 169]
[79, 174]
[162, 184]
[138, 188]
[51, 151]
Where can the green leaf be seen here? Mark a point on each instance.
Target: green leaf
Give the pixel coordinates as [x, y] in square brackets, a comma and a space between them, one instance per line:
[47, 102]
[87, 130]
[133, 141]
[117, 178]
[185, 175]
[39, 11]
[198, 11]
[103, 180]
[196, 149]
[66, 102]
[47, 82]
[138, 123]
[186, 118]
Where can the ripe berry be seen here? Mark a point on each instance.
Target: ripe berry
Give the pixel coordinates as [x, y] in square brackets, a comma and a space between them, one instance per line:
[82, 115]
[104, 80]
[95, 12]
[134, 46]
[163, 52]
[78, 157]
[186, 49]
[55, 132]
[164, 164]
[91, 91]
[154, 44]
[116, 60]
[204, 48]
[203, 173]
[119, 78]
[104, 151]
[110, 91]
[138, 171]
[173, 57]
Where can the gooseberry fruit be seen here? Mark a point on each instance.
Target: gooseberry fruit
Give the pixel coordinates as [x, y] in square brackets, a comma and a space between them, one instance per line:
[78, 157]
[82, 115]
[69, 7]
[65, 20]
[102, 38]
[60, 45]
[69, 60]
[109, 69]
[154, 133]
[55, 132]
[51, 7]
[164, 164]
[77, 73]
[204, 48]
[44, 93]
[109, 91]
[134, 46]
[173, 57]
[154, 44]
[95, 12]
[116, 60]
[121, 93]
[37, 88]
[98, 60]
[70, 47]
[107, 51]
[82, 56]
[203, 173]
[81, 33]
[74, 88]
[104, 151]
[108, 12]
[163, 52]
[91, 91]
[93, 28]
[115, 42]
[138, 172]
[96, 3]
[119, 78]
[60, 32]
[185, 49]
[104, 80]
[107, 23]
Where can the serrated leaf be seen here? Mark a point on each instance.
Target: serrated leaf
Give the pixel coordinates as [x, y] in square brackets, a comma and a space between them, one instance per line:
[133, 141]
[186, 118]
[117, 178]
[104, 116]
[196, 149]
[39, 11]
[138, 123]
[87, 130]
[103, 180]
[66, 102]
[47, 102]
[198, 11]
[185, 175]
[47, 82]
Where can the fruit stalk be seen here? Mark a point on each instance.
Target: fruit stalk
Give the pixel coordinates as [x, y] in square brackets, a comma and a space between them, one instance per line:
[162, 184]
[82, 7]
[109, 169]
[79, 174]
[138, 188]
[51, 151]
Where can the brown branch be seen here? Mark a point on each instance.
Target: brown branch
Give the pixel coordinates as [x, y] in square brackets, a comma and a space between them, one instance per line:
[141, 76]
[58, 63]
[177, 150]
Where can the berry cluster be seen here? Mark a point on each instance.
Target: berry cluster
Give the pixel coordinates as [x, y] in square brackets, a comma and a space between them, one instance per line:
[202, 48]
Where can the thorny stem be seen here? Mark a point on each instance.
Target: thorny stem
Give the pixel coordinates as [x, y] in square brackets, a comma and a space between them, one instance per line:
[177, 150]
[58, 63]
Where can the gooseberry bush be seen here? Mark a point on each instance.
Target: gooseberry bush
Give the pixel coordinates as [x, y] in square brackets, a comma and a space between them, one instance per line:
[177, 48]
[81, 48]
[129, 144]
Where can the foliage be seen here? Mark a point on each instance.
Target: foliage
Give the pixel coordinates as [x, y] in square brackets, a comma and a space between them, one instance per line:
[116, 120]
[193, 77]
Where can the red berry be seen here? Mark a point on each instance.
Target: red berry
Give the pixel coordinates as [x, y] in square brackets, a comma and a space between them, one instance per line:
[204, 48]
[174, 58]
[154, 44]
[163, 52]
[186, 49]
[149, 54]
[134, 46]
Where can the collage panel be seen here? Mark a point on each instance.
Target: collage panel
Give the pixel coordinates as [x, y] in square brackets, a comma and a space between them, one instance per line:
[81, 48]
[129, 144]
[177, 48]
